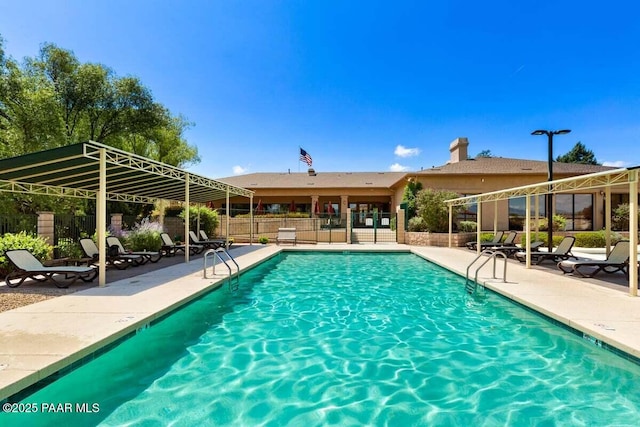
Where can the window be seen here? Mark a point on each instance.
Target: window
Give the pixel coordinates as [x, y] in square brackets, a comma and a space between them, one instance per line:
[517, 211]
[468, 212]
[577, 209]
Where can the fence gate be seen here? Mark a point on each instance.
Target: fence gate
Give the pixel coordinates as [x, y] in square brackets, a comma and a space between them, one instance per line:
[373, 227]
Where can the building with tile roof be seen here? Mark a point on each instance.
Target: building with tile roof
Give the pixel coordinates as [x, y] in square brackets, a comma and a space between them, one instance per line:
[363, 192]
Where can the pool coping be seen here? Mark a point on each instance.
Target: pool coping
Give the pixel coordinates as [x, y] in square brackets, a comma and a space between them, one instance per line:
[48, 337]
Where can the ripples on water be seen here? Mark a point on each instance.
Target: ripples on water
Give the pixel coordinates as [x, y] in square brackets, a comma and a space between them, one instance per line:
[353, 339]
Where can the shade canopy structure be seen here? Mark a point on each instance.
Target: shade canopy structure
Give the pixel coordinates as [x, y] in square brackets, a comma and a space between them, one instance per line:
[625, 177]
[74, 171]
[93, 170]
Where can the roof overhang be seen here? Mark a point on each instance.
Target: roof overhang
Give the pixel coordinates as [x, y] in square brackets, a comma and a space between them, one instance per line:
[74, 171]
[576, 183]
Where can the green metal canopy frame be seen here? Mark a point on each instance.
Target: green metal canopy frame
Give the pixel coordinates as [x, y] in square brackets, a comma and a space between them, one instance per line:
[93, 170]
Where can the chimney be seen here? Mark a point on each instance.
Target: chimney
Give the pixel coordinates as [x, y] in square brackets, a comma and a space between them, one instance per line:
[458, 149]
[312, 172]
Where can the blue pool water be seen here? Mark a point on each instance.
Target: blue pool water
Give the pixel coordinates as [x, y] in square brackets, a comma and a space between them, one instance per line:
[315, 339]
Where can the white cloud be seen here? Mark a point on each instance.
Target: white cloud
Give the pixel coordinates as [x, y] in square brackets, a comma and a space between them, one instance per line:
[397, 167]
[616, 164]
[239, 170]
[402, 151]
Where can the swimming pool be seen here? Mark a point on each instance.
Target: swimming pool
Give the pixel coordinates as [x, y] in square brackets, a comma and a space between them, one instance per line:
[348, 339]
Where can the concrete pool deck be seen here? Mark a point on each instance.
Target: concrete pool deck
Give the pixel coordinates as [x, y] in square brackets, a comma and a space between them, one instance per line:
[41, 339]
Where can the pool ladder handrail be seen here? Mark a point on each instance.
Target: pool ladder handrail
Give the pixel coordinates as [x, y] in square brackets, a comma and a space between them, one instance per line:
[470, 287]
[216, 254]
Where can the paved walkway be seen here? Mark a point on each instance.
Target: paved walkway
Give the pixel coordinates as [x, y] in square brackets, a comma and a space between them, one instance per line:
[40, 339]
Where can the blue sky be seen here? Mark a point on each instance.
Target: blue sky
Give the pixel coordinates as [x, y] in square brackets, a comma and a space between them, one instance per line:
[363, 85]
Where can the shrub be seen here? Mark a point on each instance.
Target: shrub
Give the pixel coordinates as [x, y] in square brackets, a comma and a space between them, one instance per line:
[620, 217]
[208, 219]
[417, 224]
[468, 226]
[263, 239]
[277, 215]
[144, 236]
[36, 245]
[559, 223]
[544, 237]
[595, 239]
[486, 237]
[434, 211]
[69, 248]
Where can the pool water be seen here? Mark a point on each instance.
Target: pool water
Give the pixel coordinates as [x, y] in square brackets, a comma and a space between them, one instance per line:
[349, 339]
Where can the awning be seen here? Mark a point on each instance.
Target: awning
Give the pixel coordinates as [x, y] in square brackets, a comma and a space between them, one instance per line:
[96, 171]
[628, 177]
[74, 171]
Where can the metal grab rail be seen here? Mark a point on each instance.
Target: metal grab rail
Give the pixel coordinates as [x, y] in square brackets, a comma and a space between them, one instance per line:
[216, 254]
[493, 254]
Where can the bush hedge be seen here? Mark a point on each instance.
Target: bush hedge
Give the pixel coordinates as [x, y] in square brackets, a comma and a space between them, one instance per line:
[468, 226]
[34, 244]
[595, 239]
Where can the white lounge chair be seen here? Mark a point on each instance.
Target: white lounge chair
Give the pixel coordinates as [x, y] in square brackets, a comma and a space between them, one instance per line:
[119, 261]
[146, 255]
[286, 235]
[27, 266]
[618, 260]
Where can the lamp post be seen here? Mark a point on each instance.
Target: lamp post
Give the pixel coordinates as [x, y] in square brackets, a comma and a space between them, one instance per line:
[550, 134]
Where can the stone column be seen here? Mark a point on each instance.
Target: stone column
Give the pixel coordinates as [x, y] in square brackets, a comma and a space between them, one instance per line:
[116, 223]
[314, 202]
[45, 226]
[344, 203]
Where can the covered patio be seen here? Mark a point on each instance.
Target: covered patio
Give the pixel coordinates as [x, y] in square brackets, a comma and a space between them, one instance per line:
[96, 171]
[624, 177]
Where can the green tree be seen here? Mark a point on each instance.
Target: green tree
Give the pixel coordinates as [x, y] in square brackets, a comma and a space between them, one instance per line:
[579, 154]
[433, 210]
[53, 100]
[484, 153]
[409, 196]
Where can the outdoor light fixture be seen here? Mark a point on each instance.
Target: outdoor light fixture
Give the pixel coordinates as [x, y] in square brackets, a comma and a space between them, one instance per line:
[550, 134]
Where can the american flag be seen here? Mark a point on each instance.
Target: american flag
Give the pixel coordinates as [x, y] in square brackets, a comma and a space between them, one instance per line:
[305, 157]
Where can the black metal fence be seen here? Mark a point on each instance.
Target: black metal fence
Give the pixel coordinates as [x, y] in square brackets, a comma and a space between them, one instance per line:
[373, 227]
[17, 223]
[68, 230]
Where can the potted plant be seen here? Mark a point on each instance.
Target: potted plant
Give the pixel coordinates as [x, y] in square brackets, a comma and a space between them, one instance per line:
[263, 239]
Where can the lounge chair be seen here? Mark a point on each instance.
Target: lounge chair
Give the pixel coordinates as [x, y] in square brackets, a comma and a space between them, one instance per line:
[27, 266]
[286, 235]
[512, 250]
[170, 248]
[497, 238]
[119, 261]
[205, 238]
[150, 256]
[562, 252]
[618, 260]
[206, 244]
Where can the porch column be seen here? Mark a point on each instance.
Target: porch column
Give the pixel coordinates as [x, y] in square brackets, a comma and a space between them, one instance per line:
[479, 228]
[344, 204]
[633, 232]
[314, 202]
[101, 219]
